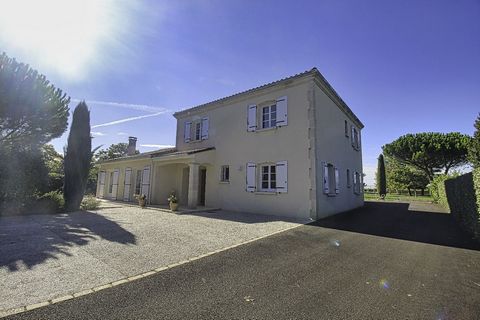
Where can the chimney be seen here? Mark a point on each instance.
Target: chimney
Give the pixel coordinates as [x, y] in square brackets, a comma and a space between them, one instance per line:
[132, 146]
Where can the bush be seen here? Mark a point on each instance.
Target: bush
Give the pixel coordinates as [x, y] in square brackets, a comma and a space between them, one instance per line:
[50, 202]
[89, 202]
[437, 189]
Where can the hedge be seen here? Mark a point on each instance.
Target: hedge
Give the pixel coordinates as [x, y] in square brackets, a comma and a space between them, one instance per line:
[437, 188]
[463, 197]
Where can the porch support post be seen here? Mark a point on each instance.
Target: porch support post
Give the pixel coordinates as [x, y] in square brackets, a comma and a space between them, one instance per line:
[193, 184]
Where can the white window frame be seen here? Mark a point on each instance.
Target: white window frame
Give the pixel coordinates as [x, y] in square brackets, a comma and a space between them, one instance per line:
[357, 182]
[331, 179]
[271, 182]
[110, 182]
[355, 138]
[225, 173]
[197, 131]
[138, 181]
[271, 120]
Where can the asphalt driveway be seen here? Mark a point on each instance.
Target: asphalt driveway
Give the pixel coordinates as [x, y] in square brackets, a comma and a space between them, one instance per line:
[383, 261]
[43, 257]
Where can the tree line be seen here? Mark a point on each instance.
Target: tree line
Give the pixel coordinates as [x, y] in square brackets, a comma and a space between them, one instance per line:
[33, 176]
[414, 161]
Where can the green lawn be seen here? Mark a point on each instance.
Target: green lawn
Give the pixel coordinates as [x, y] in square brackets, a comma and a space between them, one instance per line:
[396, 197]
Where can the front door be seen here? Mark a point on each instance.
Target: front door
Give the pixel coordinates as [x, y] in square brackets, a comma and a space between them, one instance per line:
[202, 181]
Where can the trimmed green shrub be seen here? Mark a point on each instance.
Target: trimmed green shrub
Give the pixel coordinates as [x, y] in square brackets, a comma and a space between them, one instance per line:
[50, 202]
[89, 202]
[462, 201]
[437, 189]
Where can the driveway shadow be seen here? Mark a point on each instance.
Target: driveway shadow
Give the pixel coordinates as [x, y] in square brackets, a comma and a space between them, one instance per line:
[395, 220]
[31, 240]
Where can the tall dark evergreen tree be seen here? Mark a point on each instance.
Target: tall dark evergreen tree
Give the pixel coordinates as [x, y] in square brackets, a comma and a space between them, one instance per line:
[474, 149]
[77, 158]
[381, 176]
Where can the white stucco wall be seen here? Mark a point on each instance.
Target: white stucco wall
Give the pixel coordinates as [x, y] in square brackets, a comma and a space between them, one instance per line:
[332, 146]
[235, 146]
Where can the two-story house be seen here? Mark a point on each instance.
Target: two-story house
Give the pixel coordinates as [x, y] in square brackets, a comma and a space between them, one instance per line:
[291, 147]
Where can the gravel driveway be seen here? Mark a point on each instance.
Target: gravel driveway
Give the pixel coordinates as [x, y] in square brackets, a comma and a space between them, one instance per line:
[47, 256]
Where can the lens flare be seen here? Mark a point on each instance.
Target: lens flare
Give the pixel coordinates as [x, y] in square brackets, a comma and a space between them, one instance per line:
[335, 243]
[384, 284]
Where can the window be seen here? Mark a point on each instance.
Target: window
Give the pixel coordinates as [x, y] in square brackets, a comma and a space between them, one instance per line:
[272, 177]
[110, 183]
[331, 180]
[269, 116]
[268, 178]
[346, 128]
[355, 138]
[196, 130]
[225, 174]
[357, 183]
[138, 182]
[349, 183]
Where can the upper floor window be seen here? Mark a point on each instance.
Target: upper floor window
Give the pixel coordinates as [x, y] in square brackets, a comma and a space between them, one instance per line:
[269, 116]
[346, 128]
[196, 130]
[355, 138]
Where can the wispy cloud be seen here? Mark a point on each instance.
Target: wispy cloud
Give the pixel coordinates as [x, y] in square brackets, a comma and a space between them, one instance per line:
[159, 146]
[131, 106]
[122, 134]
[112, 123]
[97, 134]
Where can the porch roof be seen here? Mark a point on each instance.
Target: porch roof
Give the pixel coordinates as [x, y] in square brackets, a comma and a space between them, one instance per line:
[158, 154]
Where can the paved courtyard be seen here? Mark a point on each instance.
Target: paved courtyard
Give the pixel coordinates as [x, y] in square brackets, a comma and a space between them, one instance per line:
[47, 256]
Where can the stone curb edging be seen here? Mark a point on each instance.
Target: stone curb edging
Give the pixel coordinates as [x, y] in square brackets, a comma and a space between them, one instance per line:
[8, 312]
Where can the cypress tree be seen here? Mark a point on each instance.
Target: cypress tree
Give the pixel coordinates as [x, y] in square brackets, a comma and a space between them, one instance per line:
[381, 177]
[474, 149]
[77, 158]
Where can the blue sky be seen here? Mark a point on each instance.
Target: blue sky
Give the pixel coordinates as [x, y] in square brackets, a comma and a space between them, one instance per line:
[401, 66]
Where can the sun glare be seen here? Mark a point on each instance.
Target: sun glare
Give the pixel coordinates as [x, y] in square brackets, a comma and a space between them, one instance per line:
[61, 35]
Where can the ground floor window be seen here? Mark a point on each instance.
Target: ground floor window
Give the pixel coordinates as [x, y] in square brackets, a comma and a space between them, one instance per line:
[268, 178]
[331, 179]
[349, 183]
[357, 183]
[110, 183]
[225, 174]
[138, 182]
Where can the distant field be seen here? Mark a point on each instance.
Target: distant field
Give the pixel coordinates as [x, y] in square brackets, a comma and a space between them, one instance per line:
[396, 197]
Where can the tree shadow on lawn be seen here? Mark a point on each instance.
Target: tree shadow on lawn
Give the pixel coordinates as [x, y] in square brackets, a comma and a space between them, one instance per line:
[395, 220]
[31, 240]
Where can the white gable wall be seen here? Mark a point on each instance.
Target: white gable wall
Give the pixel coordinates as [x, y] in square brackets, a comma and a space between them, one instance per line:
[332, 146]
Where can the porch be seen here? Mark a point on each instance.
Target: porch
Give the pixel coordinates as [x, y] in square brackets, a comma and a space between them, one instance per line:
[158, 176]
